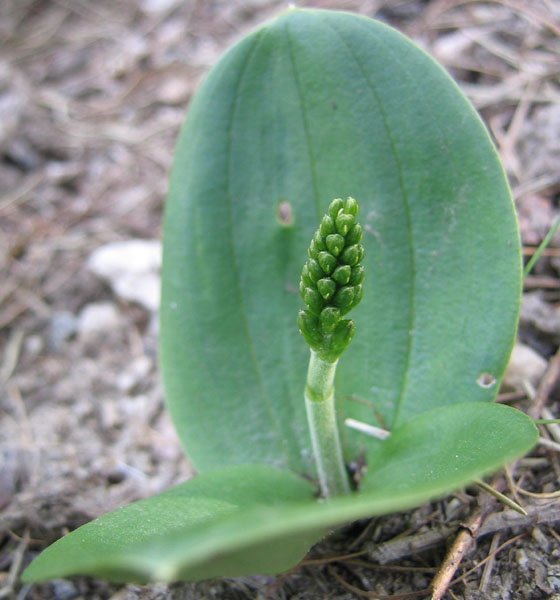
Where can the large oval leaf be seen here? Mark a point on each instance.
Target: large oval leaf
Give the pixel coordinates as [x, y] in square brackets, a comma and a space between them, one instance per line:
[312, 106]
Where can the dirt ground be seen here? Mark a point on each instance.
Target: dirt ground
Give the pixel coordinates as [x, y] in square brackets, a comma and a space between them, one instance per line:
[91, 98]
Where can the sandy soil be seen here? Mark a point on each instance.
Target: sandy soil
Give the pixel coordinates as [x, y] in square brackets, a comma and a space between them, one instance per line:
[91, 99]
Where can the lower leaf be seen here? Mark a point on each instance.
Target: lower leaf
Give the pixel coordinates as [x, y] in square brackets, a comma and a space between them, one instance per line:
[253, 519]
[191, 531]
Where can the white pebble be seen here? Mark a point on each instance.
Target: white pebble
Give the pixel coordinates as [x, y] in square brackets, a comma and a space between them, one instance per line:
[98, 316]
[132, 270]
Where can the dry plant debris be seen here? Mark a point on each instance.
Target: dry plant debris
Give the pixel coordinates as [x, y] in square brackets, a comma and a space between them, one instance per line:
[91, 99]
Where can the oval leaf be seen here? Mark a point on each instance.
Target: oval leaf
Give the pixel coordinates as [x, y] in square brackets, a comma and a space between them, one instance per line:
[312, 106]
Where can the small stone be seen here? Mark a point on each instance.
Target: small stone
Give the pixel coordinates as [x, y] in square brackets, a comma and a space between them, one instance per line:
[133, 47]
[63, 589]
[60, 173]
[522, 559]
[175, 90]
[525, 365]
[539, 148]
[134, 373]
[449, 47]
[98, 316]
[21, 153]
[63, 325]
[159, 6]
[537, 313]
[12, 103]
[130, 198]
[132, 270]
[152, 330]
[110, 418]
[540, 578]
[34, 345]
[541, 539]
[554, 582]
[11, 474]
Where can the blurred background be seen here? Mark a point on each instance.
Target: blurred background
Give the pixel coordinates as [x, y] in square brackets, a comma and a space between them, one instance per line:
[92, 95]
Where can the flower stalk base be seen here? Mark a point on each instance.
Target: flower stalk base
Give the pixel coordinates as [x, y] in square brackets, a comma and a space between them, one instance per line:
[325, 438]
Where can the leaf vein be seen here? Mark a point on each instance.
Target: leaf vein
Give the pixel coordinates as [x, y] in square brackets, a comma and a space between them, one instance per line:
[238, 293]
[398, 164]
[306, 128]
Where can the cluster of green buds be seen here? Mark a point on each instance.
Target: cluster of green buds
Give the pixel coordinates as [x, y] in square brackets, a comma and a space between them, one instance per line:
[331, 281]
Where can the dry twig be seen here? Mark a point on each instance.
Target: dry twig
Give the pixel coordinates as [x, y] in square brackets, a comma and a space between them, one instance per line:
[17, 560]
[403, 546]
[488, 567]
[467, 533]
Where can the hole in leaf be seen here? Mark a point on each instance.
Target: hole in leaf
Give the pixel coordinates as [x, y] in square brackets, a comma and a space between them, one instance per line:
[486, 380]
[284, 213]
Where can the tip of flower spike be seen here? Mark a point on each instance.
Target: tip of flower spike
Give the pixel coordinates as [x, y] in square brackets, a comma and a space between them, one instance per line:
[351, 206]
[335, 206]
[331, 280]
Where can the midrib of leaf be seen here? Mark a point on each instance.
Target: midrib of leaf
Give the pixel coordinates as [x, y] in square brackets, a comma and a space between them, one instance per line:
[468, 264]
[238, 294]
[412, 314]
[305, 120]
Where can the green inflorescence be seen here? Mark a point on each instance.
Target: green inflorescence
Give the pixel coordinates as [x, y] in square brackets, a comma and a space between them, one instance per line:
[331, 281]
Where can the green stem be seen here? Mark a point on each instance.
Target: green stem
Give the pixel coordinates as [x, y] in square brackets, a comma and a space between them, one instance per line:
[321, 416]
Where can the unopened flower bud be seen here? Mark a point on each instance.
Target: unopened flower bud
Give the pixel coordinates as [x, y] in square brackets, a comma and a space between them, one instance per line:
[314, 270]
[354, 235]
[343, 223]
[329, 318]
[351, 206]
[343, 298]
[326, 287]
[313, 299]
[335, 206]
[327, 262]
[342, 274]
[327, 226]
[350, 255]
[334, 243]
[357, 275]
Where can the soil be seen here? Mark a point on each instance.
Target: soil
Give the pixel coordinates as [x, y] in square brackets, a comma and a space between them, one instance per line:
[91, 99]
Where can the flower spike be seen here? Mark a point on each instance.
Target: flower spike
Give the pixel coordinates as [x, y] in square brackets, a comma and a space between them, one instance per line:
[331, 281]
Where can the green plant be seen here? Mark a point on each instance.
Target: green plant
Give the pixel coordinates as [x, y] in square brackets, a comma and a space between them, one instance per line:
[312, 106]
[331, 286]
